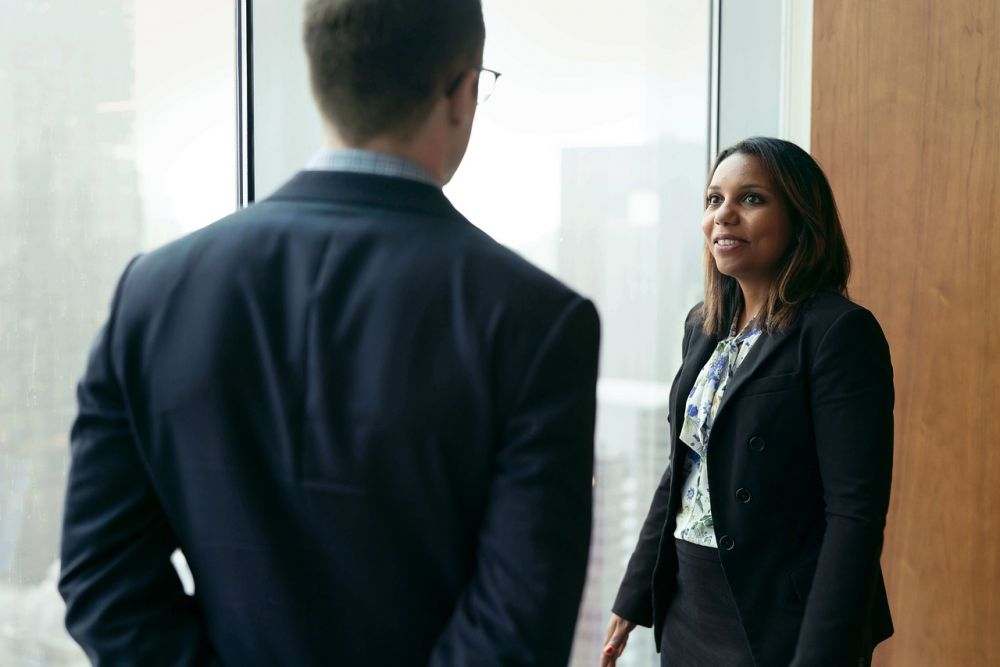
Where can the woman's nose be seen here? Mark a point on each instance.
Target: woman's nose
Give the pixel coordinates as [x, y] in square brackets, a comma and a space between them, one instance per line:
[724, 215]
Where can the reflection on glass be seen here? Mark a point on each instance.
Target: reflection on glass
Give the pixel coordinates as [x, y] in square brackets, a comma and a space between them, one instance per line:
[590, 160]
[118, 134]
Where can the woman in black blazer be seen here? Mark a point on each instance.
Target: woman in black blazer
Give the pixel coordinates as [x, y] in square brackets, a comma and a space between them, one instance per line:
[762, 543]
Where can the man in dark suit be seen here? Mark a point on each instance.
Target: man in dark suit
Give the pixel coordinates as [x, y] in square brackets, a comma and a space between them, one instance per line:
[368, 426]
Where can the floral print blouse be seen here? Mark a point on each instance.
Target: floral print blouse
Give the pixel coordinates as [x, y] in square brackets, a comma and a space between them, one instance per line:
[694, 519]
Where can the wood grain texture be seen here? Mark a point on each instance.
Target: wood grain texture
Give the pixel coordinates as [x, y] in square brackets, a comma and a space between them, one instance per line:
[906, 123]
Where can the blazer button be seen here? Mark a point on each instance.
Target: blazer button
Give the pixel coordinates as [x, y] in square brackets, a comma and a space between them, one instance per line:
[743, 496]
[757, 444]
[727, 543]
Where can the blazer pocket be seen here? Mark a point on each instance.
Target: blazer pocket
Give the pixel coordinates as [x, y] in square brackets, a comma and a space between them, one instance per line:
[771, 384]
[802, 580]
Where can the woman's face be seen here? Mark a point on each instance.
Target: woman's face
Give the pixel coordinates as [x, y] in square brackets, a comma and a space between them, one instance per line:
[746, 222]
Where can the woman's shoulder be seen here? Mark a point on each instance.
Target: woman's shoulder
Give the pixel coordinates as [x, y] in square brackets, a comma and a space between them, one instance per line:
[694, 320]
[828, 305]
[695, 316]
[828, 311]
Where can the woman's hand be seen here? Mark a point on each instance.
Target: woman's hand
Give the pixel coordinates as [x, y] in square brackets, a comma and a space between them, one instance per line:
[615, 640]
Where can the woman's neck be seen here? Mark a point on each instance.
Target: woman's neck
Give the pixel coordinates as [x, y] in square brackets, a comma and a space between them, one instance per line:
[754, 298]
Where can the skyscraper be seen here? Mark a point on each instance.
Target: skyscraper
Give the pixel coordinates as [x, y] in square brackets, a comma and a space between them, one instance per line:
[69, 219]
[625, 211]
[633, 447]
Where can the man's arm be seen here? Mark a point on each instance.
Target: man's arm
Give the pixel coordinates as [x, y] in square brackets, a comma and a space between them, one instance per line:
[520, 606]
[124, 602]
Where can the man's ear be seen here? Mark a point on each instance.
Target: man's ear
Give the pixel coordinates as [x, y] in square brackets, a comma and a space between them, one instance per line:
[464, 99]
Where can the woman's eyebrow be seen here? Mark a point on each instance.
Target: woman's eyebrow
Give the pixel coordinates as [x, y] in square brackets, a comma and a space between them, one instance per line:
[745, 186]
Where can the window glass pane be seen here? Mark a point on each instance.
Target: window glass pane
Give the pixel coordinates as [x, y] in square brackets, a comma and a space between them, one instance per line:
[118, 134]
[590, 159]
[751, 69]
[287, 129]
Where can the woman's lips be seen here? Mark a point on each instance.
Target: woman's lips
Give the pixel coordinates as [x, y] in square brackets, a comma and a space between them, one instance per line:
[729, 244]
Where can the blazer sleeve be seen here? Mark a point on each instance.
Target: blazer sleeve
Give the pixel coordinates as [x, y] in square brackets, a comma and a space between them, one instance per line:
[124, 602]
[851, 392]
[521, 603]
[634, 601]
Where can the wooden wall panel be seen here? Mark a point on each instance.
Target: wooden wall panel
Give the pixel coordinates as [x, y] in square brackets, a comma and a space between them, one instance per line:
[906, 122]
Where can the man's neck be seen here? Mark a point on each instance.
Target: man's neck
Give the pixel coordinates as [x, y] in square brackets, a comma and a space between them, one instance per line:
[410, 151]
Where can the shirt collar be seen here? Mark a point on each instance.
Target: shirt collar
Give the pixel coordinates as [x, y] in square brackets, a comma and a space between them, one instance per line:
[360, 161]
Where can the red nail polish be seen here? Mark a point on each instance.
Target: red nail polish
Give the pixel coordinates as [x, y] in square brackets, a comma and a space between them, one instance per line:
[608, 650]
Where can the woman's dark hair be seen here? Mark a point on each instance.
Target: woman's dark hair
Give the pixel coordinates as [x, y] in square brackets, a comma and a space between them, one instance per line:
[817, 257]
[376, 66]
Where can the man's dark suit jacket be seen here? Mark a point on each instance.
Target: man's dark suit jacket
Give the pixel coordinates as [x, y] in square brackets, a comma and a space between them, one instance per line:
[368, 426]
[799, 476]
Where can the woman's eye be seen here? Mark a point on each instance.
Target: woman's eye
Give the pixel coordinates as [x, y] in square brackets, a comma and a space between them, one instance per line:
[752, 198]
[713, 200]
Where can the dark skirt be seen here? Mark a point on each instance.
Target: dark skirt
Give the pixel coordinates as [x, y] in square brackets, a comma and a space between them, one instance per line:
[702, 627]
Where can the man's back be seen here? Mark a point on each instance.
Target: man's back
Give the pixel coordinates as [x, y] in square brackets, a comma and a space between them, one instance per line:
[367, 425]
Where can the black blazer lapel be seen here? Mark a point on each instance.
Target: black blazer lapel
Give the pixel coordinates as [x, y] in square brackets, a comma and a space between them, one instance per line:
[765, 346]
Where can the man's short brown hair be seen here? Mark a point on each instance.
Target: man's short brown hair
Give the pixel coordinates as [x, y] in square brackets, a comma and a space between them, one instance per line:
[376, 66]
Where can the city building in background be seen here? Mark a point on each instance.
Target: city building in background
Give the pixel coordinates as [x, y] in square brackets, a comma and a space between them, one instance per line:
[627, 242]
[629, 238]
[69, 219]
[633, 447]
[114, 140]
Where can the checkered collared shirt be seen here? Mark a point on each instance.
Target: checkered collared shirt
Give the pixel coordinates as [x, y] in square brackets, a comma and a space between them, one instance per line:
[360, 161]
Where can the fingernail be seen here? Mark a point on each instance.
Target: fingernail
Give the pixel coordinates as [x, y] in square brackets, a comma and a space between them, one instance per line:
[609, 649]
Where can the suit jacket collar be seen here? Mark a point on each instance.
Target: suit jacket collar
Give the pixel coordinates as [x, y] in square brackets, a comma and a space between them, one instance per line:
[700, 349]
[765, 346]
[340, 187]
